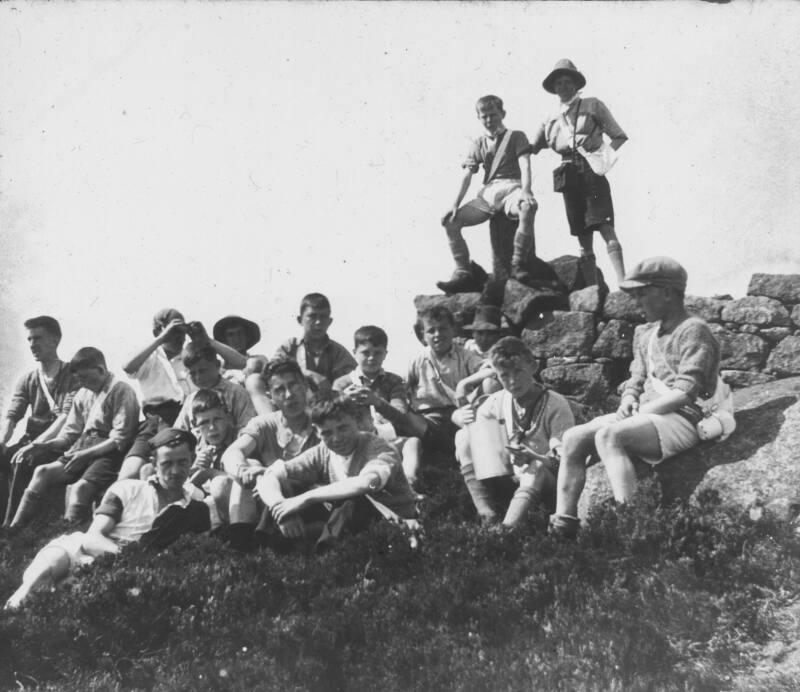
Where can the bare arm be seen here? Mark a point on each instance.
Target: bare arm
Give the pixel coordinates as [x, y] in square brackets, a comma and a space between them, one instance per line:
[525, 168]
[97, 542]
[233, 359]
[333, 492]
[235, 457]
[666, 403]
[136, 362]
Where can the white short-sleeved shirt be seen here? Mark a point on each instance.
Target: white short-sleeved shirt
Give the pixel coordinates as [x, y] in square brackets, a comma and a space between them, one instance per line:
[163, 379]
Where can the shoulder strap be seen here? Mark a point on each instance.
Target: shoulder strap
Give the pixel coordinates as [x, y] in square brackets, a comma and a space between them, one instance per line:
[47, 395]
[499, 154]
[575, 126]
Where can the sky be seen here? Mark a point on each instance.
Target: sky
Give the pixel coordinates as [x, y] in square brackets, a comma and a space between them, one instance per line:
[230, 157]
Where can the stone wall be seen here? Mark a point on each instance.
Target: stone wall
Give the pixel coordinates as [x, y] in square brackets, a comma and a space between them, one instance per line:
[584, 336]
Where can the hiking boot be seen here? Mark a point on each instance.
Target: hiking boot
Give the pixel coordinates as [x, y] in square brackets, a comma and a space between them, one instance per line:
[464, 281]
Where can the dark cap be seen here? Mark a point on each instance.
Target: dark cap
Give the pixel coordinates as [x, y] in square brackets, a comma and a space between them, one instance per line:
[172, 437]
[664, 272]
[488, 318]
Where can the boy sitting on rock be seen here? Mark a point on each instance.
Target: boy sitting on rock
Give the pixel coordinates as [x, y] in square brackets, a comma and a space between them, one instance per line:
[155, 511]
[519, 429]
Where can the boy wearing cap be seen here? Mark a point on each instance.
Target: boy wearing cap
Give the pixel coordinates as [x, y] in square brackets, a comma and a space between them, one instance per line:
[241, 335]
[506, 187]
[154, 512]
[163, 380]
[98, 431]
[676, 365]
[576, 132]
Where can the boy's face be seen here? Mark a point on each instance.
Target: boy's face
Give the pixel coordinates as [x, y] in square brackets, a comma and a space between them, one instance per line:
[42, 343]
[172, 465]
[315, 322]
[485, 338]
[340, 434]
[370, 358]
[288, 392]
[204, 374]
[236, 338]
[438, 335]
[516, 376]
[653, 300]
[212, 426]
[174, 342]
[92, 378]
[491, 117]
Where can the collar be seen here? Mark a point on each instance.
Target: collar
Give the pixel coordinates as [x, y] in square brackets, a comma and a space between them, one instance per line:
[564, 107]
[321, 348]
[359, 373]
[497, 134]
[108, 383]
[450, 354]
[187, 489]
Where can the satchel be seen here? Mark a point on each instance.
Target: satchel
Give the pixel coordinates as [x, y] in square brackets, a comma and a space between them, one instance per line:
[566, 177]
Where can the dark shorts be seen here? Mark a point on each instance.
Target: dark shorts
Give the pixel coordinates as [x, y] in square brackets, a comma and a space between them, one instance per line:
[101, 471]
[588, 204]
[440, 433]
[156, 419]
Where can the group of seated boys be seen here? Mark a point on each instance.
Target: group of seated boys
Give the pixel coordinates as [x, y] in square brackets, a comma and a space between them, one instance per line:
[310, 445]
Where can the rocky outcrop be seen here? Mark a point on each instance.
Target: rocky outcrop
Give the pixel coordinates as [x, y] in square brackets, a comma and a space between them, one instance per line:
[759, 465]
[566, 324]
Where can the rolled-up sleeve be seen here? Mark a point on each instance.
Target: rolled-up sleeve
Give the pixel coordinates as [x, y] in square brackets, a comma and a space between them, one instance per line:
[306, 468]
[608, 124]
[124, 416]
[474, 157]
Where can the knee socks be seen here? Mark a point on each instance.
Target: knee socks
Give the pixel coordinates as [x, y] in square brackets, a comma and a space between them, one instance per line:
[524, 246]
[28, 508]
[521, 502]
[480, 494]
[615, 255]
[459, 250]
[78, 512]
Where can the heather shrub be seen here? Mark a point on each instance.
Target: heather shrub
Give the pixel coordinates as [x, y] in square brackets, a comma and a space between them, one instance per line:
[649, 597]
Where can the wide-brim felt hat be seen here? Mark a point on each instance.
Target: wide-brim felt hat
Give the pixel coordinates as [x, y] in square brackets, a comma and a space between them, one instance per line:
[251, 329]
[488, 318]
[564, 66]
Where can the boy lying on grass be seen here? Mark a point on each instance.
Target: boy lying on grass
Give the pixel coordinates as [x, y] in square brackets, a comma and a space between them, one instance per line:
[339, 486]
[154, 512]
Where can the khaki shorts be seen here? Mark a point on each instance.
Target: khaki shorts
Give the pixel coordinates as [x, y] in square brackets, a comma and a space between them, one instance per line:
[499, 195]
[676, 434]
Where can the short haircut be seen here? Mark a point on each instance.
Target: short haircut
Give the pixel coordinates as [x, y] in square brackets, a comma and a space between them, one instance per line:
[509, 349]
[196, 351]
[370, 334]
[163, 317]
[49, 324]
[490, 100]
[438, 313]
[331, 406]
[87, 357]
[282, 366]
[316, 301]
[206, 400]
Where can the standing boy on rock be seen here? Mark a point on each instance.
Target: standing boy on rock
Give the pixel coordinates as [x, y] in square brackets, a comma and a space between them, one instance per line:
[506, 187]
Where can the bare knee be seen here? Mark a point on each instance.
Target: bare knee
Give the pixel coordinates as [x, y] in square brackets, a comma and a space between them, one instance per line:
[606, 437]
[575, 442]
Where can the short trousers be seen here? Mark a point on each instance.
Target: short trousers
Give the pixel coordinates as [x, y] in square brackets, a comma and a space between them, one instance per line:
[498, 195]
[101, 471]
[157, 418]
[440, 433]
[589, 204]
[676, 433]
[72, 545]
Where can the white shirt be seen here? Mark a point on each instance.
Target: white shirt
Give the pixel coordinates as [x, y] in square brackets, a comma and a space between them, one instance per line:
[163, 379]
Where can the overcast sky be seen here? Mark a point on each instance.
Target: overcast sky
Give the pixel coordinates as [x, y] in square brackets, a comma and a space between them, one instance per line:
[228, 158]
